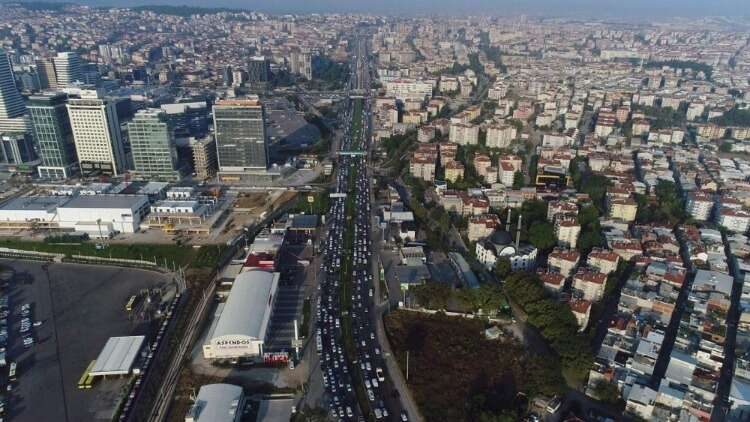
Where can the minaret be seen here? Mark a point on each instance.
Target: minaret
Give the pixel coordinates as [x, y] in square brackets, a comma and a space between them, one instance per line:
[518, 233]
[507, 224]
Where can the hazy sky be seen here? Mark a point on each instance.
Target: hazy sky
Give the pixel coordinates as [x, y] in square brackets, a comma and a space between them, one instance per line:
[568, 8]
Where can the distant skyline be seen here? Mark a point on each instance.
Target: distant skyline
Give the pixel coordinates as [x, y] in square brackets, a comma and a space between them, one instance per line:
[564, 8]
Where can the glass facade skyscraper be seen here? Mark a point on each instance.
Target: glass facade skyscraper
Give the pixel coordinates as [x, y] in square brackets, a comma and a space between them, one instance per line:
[240, 135]
[152, 145]
[53, 135]
[11, 102]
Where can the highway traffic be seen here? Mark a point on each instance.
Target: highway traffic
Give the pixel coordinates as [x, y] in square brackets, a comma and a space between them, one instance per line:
[353, 369]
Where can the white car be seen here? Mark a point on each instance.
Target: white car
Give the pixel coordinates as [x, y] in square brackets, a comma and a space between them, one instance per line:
[379, 374]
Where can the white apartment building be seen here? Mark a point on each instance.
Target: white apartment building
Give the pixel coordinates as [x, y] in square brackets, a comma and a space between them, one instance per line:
[464, 134]
[563, 261]
[567, 230]
[699, 205]
[733, 220]
[500, 136]
[590, 284]
[403, 89]
[506, 174]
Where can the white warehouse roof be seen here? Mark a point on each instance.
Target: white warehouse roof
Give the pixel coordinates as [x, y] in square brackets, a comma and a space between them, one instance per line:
[216, 403]
[248, 308]
[118, 356]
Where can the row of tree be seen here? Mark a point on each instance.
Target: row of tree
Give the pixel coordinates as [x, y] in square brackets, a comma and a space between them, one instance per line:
[667, 206]
[487, 299]
[733, 117]
[554, 320]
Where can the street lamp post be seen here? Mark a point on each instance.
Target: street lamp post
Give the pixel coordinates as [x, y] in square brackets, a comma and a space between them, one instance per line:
[407, 366]
[99, 225]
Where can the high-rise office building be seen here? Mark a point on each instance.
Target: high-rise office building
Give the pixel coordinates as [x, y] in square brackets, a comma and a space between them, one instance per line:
[53, 135]
[240, 132]
[152, 145]
[11, 101]
[96, 132]
[300, 63]
[105, 53]
[29, 79]
[258, 70]
[17, 152]
[204, 157]
[68, 69]
[47, 74]
[12, 108]
[189, 119]
[226, 75]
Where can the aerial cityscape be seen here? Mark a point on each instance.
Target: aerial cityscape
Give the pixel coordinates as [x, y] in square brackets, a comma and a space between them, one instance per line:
[480, 211]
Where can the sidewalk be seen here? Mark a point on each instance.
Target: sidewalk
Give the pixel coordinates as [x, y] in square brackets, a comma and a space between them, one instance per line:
[395, 372]
[397, 377]
[399, 383]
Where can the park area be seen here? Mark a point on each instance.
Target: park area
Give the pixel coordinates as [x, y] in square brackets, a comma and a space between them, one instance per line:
[457, 374]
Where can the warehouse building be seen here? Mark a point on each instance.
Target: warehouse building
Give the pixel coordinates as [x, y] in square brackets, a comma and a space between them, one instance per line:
[25, 212]
[104, 215]
[240, 324]
[217, 403]
[98, 215]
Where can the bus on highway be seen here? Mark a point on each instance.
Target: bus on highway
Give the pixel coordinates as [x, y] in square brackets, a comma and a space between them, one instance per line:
[85, 377]
[12, 372]
[131, 303]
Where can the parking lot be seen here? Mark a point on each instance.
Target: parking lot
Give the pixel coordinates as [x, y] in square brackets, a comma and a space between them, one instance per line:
[79, 307]
[290, 295]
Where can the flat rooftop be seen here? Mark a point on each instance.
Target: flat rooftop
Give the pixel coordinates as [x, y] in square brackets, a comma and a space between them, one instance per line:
[216, 403]
[118, 355]
[275, 410]
[105, 201]
[34, 203]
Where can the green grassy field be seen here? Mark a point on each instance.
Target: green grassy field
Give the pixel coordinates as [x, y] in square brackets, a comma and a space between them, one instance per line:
[204, 257]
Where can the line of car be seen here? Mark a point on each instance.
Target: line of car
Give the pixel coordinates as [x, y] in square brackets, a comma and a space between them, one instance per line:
[338, 376]
[25, 329]
[329, 344]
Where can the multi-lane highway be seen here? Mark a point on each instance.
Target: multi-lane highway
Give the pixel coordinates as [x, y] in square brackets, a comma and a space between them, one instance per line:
[354, 372]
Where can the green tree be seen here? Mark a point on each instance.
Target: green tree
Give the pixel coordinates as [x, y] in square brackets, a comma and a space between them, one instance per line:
[554, 320]
[575, 170]
[487, 298]
[607, 392]
[432, 295]
[591, 238]
[534, 211]
[543, 376]
[665, 207]
[542, 236]
[734, 117]
[503, 267]
[518, 180]
[726, 146]
[587, 216]
[596, 188]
